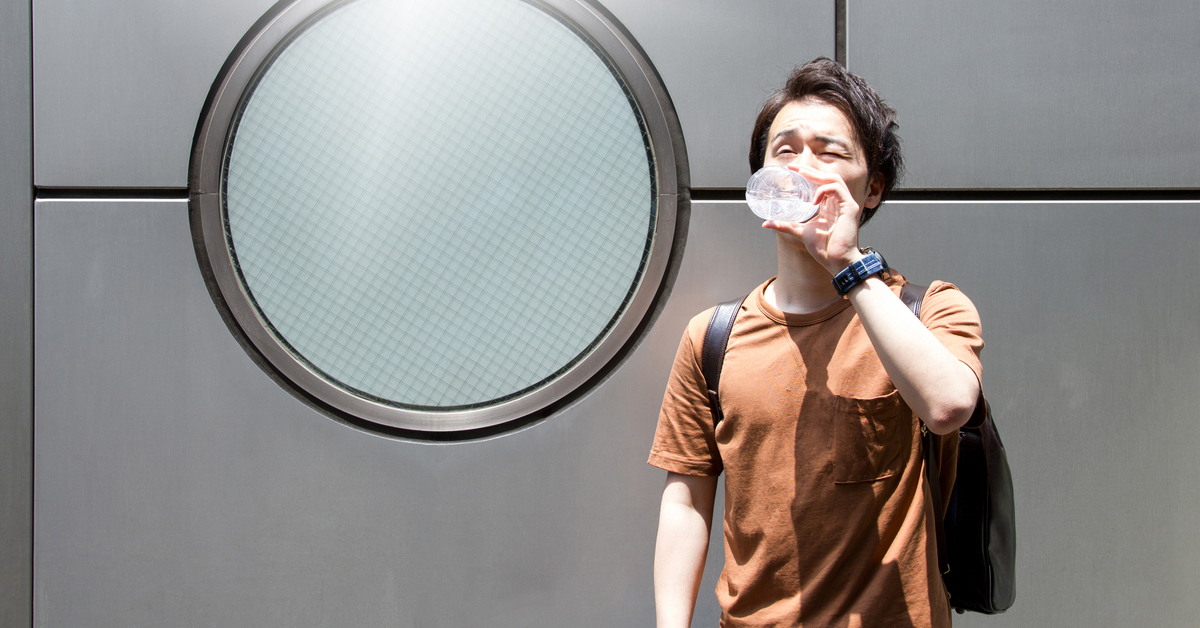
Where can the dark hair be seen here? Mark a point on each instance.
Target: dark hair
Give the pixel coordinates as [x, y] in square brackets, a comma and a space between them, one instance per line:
[874, 122]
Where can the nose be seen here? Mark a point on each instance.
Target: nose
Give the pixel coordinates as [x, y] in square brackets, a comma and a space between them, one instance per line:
[807, 158]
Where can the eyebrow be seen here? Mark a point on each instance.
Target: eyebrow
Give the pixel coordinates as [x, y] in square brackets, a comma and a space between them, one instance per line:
[826, 139]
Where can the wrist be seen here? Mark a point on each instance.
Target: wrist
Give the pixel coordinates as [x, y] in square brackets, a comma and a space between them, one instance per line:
[867, 286]
[836, 266]
[868, 264]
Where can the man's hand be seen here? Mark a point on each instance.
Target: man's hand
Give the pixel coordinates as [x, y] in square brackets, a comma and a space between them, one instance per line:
[684, 524]
[831, 237]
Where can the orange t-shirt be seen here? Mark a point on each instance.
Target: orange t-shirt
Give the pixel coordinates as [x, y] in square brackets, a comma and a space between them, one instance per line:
[826, 503]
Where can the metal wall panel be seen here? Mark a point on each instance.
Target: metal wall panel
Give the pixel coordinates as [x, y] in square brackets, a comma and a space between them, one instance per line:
[168, 463]
[178, 485]
[16, 316]
[1037, 95]
[720, 60]
[120, 85]
[1091, 364]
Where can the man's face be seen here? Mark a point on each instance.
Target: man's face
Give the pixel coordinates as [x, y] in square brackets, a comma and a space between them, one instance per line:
[813, 133]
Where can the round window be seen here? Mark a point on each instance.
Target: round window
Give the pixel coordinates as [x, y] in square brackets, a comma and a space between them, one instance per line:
[437, 216]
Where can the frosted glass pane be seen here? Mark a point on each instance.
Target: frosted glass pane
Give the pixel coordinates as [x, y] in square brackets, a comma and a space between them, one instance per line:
[439, 205]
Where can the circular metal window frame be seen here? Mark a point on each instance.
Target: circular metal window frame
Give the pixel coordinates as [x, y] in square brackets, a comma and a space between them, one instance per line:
[218, 121]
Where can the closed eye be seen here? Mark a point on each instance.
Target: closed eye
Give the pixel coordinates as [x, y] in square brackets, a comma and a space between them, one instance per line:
[834, 147]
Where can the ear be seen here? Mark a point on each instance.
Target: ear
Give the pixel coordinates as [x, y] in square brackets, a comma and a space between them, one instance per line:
[874, 191]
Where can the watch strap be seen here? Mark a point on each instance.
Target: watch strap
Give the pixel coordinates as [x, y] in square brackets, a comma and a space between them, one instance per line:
[857, 272]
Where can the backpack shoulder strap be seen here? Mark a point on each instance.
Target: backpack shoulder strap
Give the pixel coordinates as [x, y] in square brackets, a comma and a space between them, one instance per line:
[712, 354]
[913, 295]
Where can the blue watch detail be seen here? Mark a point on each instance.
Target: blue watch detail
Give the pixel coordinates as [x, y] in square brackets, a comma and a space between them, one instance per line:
[857, 272]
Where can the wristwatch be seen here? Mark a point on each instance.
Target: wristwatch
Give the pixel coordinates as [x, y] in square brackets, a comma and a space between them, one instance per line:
[858, 272]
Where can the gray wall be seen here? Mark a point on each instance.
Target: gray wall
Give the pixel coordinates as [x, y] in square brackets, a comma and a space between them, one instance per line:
[16, 315]
[1091, 365]
[179, 466]
[144, 67]
[178, 485]
[1025, 94]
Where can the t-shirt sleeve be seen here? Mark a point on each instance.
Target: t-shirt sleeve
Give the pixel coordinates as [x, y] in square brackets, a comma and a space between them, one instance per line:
[684, 441]
[954, 321]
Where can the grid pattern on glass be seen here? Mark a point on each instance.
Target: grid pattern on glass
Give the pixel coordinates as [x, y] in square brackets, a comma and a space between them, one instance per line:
[439, 205]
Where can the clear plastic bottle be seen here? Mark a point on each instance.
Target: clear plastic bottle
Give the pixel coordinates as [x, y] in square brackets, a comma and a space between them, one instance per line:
[776, 193]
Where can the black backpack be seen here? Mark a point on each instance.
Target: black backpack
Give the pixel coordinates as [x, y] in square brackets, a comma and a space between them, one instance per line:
[977, 540]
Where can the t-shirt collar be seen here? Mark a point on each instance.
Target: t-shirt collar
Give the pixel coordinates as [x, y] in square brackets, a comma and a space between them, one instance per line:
[788, 318]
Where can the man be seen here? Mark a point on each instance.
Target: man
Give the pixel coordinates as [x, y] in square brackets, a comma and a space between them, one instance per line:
[828, 519]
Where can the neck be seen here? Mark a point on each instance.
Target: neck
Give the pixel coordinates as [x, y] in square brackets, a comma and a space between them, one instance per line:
[803, 286]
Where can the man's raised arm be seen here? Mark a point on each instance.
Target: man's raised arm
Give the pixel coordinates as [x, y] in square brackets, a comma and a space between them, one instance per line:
[936, 385]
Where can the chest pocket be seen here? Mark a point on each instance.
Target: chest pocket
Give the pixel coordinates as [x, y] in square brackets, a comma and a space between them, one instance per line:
[872, 438]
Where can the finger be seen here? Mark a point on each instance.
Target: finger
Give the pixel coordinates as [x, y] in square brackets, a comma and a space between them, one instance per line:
[832, 201]
[835, 190]
[789, 228]
[827, 210]
[815, 175]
